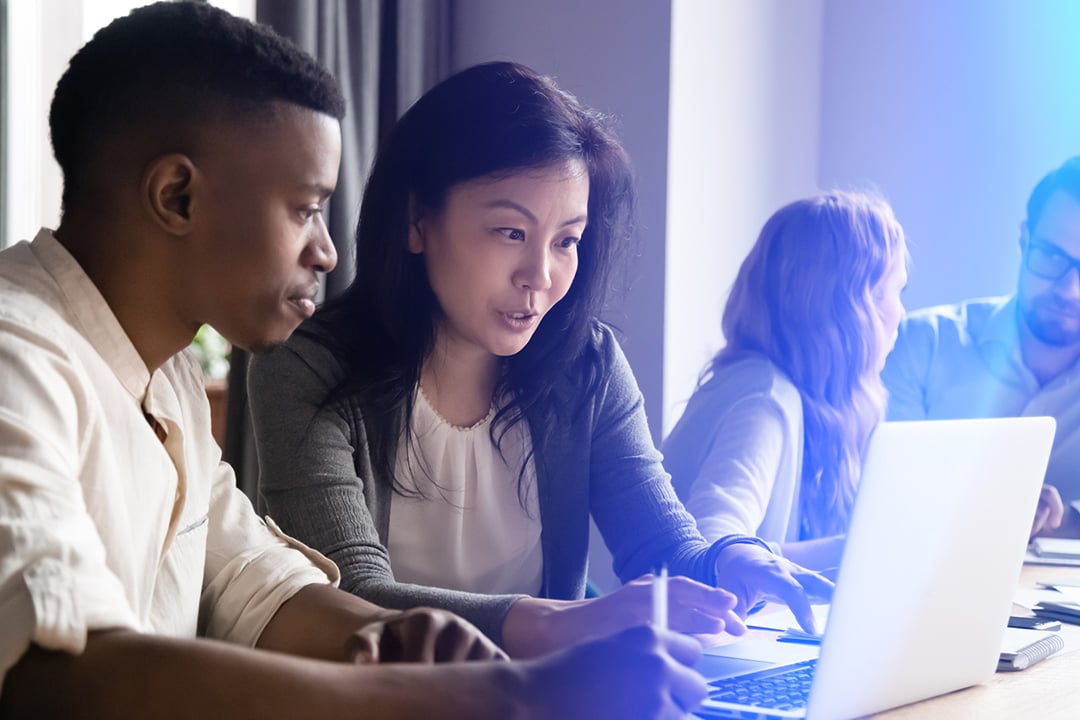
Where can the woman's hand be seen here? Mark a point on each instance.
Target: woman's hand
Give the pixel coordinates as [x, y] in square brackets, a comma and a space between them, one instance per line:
[535, 626]
[753, 573]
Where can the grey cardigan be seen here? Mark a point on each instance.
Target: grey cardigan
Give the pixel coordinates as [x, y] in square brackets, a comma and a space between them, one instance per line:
[317, 482]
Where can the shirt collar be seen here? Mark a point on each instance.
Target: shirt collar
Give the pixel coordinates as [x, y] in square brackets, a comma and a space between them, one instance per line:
[91, 315]
[1000, 328]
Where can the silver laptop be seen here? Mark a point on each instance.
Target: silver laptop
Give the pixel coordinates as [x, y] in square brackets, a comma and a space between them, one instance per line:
[932, 559]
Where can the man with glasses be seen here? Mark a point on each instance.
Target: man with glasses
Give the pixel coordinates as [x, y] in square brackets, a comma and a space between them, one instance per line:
[1014, 355]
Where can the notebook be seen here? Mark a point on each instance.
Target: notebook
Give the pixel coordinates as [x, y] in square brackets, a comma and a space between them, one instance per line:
[1022, 648]
[925, 586]
[1054, 547]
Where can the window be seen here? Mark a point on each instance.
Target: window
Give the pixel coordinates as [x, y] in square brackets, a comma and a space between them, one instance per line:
[39, 36]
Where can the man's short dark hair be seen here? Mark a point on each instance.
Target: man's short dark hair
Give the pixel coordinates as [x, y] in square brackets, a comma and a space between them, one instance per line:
[1066, 177]
[167, 69]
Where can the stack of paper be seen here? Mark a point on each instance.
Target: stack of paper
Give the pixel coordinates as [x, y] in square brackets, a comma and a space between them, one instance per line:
[1060, 602]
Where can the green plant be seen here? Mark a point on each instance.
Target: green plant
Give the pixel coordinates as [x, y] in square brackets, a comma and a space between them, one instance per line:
[212, 352]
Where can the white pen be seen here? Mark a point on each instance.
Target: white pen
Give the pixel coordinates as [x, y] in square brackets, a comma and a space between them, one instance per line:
[659, 599]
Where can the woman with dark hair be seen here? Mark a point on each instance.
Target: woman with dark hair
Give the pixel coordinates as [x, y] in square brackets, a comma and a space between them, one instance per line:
[444, 430]
[772, 440]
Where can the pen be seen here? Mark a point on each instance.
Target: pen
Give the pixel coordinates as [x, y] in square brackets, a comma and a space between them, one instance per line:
[659, 599]
[802, 640]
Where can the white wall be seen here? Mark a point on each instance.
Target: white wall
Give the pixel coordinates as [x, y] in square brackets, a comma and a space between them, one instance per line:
[745, 79]
[954, 110]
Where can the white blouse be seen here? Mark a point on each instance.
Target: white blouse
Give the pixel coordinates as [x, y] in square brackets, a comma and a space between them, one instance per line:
[468, 529]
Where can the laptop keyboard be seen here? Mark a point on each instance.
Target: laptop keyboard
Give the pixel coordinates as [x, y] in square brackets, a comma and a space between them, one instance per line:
[786, 688]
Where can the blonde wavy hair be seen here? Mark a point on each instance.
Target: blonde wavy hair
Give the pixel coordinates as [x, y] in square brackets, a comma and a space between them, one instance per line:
[804, 298]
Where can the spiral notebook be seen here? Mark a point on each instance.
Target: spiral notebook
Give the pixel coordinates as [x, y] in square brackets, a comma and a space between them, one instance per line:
[930, 555]
[1022, 648]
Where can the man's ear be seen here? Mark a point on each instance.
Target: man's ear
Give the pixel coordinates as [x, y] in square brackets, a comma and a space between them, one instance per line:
[416, 229]
[167, 189]
[1024, 238]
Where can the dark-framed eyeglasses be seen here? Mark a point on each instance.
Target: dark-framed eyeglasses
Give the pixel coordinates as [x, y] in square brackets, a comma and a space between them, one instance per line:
[1048, 261]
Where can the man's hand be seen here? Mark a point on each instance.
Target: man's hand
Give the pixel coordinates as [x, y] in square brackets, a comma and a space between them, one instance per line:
[753, 573]
[423, 635]
[639, 673]
[323, 622]
[1050, 511]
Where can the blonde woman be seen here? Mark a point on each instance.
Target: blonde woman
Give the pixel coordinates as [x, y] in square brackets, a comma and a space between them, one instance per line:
[772, 440]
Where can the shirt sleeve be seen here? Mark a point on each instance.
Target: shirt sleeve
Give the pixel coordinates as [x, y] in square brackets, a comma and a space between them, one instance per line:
[55, 586]
[316, 478]
[252, 567]
[733, 488]
[906, 370]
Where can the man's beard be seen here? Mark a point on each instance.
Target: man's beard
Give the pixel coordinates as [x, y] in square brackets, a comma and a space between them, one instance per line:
[1053, 322]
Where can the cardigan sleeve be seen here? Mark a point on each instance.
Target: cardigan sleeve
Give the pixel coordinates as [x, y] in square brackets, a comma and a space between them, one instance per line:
[631, 496]
[316, 479]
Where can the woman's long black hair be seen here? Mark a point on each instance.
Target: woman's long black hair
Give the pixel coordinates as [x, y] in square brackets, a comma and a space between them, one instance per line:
[494, 119]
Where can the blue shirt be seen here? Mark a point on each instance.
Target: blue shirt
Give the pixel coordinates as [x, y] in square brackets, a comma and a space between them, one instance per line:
[964, 361]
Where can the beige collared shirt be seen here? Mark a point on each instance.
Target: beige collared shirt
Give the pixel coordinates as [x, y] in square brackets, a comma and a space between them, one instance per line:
[102, 524]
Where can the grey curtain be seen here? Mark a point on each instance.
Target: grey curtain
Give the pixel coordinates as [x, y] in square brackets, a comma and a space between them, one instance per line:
[384, 54]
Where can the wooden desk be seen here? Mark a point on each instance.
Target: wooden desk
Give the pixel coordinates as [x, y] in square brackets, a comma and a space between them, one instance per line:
[1048, 690]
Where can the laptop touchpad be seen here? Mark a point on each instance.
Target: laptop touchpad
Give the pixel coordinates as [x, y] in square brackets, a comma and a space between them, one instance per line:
[714, 667]
[750, 654]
